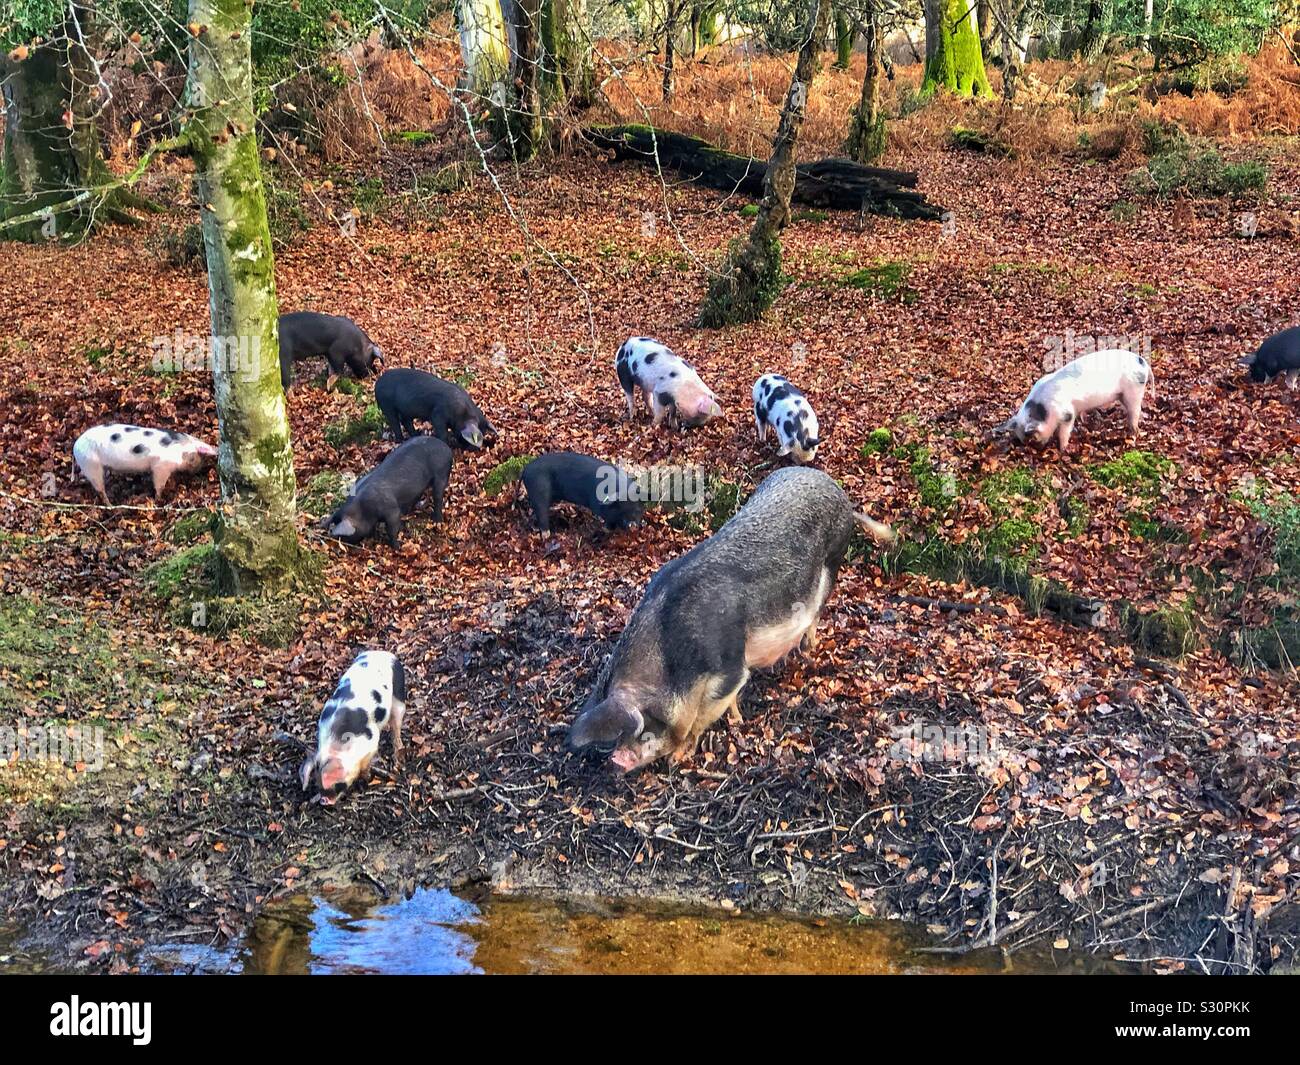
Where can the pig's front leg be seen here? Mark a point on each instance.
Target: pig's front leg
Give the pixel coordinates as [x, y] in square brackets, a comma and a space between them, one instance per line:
[660, 410]
[1293, 379]
[161, 475]
[393, 523]
[1063, 430]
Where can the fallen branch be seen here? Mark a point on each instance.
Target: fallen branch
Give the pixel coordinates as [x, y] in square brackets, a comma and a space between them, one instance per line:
[837, 183]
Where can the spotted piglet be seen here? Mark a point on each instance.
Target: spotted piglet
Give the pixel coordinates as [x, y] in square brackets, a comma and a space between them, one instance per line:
[670, 385]
[777, 403]
[132, 450]
[370, 695]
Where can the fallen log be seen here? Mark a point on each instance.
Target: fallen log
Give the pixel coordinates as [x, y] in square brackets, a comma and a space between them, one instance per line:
[840, 184]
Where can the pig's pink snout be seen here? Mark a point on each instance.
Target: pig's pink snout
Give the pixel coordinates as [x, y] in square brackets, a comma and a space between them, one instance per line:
[332, 775]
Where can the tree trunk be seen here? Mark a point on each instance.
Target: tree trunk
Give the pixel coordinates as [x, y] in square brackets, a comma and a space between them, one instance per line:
[51, 144]
[866, 140]
[526, 126]
[750, 277]
[483, 48]
[1148, 15]
[257, 542]
[952, 49]
[570, 51]
[670, 34]
[843, 40]
[1096, 32]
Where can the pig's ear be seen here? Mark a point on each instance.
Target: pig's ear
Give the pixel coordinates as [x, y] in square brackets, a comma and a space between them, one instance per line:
[606, 725]
[342, 527]
[306, 769]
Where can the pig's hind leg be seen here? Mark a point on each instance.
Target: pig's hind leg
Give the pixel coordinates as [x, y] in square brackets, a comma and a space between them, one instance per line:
[1131, 400]
[399, 711]
[760, 424]
[94, 473]
[539, 497]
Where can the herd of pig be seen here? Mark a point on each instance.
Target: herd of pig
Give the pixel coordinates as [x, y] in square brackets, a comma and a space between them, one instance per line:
[741, 600]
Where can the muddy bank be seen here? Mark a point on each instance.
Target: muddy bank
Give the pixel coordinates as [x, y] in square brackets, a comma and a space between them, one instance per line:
[195, 823]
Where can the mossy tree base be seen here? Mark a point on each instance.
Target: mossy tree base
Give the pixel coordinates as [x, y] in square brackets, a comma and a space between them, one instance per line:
[745, 286]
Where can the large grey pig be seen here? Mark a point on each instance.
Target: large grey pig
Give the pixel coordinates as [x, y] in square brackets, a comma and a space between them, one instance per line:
[340, 341]
[741, 600]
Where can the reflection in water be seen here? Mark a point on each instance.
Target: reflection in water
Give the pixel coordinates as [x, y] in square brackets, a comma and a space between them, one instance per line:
[437, 932]
[348, 933]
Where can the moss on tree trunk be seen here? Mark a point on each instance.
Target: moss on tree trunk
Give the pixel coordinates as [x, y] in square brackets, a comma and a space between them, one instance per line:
[843, 40]
[567, 60]
[526, 122]
[51, 145]
[750, 276]
[256, 538]
[953, 59]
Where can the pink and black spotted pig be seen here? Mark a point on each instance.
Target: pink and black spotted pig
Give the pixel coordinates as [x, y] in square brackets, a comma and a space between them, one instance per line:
[369, 697]
[777, 403]
[131, 449]
[670, 385]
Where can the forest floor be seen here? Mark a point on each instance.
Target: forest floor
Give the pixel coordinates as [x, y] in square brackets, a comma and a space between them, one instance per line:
[1131, 800]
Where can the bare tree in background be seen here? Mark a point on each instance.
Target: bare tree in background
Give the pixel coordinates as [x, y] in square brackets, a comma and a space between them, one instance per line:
[750, 276]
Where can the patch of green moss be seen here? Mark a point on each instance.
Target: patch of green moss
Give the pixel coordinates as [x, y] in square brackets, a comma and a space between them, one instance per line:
[878, 442]
[810, 216]
[885, 278]
[1137, 472]
[1282, 516]
[355, 430]
[749, 210]
[505, 473]
[415, 136]
[53, 660]
[1168, 631]
[937, 489]
[184, 571]
[1005, 490]
[1013, 539]
[325, 491]
[190, 527]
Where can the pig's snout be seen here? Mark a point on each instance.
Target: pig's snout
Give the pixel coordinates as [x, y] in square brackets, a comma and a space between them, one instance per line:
[604, 726]
[333, 776]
